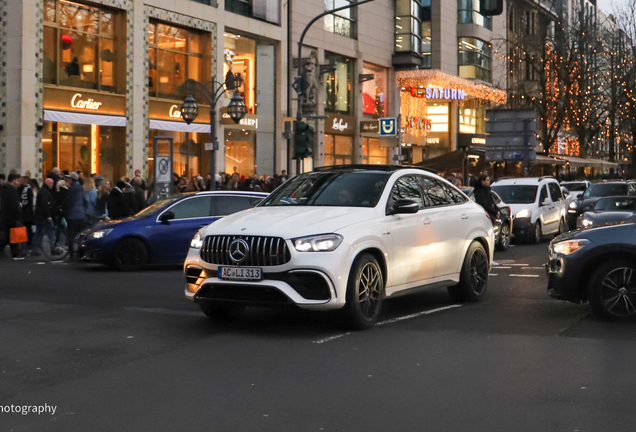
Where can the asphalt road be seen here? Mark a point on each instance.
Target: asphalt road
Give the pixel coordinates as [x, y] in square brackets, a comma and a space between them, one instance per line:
[127, 352]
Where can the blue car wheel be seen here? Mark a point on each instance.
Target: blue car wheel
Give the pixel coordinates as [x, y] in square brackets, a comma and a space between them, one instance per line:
[130, 254]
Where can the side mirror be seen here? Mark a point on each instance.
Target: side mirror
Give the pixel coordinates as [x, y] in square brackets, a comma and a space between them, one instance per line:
[403, 207]
[165, 217]
[546, 202]
[565, 192]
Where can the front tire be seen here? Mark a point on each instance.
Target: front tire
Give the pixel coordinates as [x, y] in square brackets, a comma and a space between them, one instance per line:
[504, 238]
[537, 233]
[130, 254]
[473, 279]
[612, 291]
[221, 311]
[365, 293]
[563, 227]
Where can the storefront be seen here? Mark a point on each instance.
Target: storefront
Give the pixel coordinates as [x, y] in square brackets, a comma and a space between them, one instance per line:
[339, 133]
[240, 144]
[375, 150]
[83, 65]
[437, 109]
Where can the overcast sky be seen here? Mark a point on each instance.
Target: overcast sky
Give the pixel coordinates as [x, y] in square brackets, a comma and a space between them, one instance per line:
[607, 5]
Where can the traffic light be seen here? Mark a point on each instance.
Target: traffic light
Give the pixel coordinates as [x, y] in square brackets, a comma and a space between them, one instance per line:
[490, 7]
[303, 140]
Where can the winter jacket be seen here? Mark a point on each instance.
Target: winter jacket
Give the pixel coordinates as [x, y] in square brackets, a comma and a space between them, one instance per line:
[91, 203]
[26, 199]
[43, 203]
[10, 212]
[74, 204]
[129, 193]
[140, 198]
[102, 205]
[484, 198]
[118, 205]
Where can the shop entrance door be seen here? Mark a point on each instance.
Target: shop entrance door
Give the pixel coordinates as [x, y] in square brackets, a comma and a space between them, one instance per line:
[74, 149]
[162, 166]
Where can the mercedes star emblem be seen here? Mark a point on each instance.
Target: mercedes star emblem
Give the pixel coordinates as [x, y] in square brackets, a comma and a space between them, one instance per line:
[239, 250]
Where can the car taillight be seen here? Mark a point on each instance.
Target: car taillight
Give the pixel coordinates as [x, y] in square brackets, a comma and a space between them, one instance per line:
[509, 210]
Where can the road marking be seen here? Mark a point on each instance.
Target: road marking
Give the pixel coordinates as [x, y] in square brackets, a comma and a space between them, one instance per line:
[391, 321]
[518, 265]
[500, 268]
[492, 274]
[534, 268]
[163, 311]
[523, 275]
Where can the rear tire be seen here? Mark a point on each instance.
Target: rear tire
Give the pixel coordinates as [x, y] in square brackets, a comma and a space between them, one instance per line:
[473, 279]
[365, 293]
[130, 254]
[612, 291]
[221, 311]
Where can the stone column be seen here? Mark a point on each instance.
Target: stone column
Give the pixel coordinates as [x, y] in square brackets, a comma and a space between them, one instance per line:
[444, 35]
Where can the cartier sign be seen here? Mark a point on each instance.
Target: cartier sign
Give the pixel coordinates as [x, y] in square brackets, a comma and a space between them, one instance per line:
[88, 103]
[84, 101]
[175, 112]
[171, 111]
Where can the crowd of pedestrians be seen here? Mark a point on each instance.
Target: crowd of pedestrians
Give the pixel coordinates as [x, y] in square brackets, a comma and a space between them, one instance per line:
[227, 181]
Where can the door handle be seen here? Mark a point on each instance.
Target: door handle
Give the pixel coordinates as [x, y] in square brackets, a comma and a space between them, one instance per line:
[427, 221]
[465, 216]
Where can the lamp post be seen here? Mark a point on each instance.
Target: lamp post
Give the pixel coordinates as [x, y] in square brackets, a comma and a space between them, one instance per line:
[213, 92]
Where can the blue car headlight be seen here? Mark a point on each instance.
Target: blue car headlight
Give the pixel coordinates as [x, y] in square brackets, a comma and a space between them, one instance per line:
[100, 234]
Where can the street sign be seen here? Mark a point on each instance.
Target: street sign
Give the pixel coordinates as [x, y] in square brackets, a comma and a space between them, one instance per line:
[399, 158]
[388, 126]
[511, 141]
[512, 136]
[300, 84]
[211, 146]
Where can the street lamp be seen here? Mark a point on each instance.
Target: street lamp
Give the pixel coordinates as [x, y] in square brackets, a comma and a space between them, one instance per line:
[213, 92]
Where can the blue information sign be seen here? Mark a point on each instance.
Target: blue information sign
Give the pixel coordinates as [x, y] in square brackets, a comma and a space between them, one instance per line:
[388, 126]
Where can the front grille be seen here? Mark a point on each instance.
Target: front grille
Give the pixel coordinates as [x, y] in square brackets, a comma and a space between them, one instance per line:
[253, 294]
[264, 251]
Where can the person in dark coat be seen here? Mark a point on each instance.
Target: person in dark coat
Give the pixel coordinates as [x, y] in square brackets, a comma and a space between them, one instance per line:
[44, 216]
[11, 213]
[484, 197]
[74, 209]
[26, 201]
[118, 206]
[140, 196]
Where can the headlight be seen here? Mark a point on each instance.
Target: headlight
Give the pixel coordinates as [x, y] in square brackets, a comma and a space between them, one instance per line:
[101, 233]
[197, 241]
[318, 243]
[568, 247]
[586, 223]
[572, 205]
[525, 213]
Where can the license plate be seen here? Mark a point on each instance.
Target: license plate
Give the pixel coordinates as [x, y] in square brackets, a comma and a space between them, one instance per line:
[240, 273]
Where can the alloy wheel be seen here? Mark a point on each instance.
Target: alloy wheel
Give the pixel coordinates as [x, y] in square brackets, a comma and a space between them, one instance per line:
[618, 292]
[478, 271]
[370, 290]
[505, 236]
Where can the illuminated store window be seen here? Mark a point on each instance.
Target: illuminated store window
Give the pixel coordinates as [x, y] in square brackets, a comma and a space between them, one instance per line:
[374, 91]
[338, 150]
[437, 117]
[239, 151]
[372, 153]
[242, 51]
[188, 150]
[81, 46]
[338, 85]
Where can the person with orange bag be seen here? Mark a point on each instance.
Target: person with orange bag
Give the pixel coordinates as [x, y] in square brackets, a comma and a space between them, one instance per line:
[10, 214]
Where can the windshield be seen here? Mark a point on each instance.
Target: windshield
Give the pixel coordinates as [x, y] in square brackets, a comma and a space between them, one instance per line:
[154, 208]
[343, 189]
[516, 194]
[605, 189]
[574, 187]
[616, 204]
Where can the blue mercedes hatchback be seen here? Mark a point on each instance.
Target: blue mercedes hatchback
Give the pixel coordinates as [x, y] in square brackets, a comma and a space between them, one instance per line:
[161, 233]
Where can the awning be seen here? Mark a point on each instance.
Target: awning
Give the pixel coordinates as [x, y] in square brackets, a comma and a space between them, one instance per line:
[179, 126]
[583, 162]
[545, 160]
[88, 119]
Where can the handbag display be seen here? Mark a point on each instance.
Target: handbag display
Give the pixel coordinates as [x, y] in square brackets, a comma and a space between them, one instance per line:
[18, 235]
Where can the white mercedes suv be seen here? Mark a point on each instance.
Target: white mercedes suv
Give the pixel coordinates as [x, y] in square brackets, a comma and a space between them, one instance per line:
[343, 237]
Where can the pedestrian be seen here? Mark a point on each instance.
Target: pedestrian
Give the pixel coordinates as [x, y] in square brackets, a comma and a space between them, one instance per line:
[118, 204]
[10, 215]
[103, 195]
[74, 209]
[140, 196]
[484, 198]
[26, 201]
[143, 182]
[201, 183]
[193, 185]
[44, 216]
[90, 195]
[283, 176]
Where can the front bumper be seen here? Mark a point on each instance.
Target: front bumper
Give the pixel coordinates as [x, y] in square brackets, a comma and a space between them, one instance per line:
[310, 280]
[521, 227]
[564, 278]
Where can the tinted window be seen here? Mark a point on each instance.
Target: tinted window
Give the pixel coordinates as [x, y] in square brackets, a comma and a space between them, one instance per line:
[555, 192]
[453, 194]
[225, 205]
[433, 192]
[157, 206]
[517, 194]
[616, 204]
[605, 189]
[631, 190]
[192, 208]
[574, 187]
[408, 188]
[544, 194]
[331, 188]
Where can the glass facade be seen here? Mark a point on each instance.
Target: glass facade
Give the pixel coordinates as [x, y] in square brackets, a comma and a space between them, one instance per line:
[80, 46]
[475, 59]
[240, 56]
[342, 22]
[338, 85]
[374, 91]
[176, 54]
[338, 150]
[188, 150]
[372, 153]
[468, 13]
[86, 148]
[240, 151]
[266, 10]
[408, 27]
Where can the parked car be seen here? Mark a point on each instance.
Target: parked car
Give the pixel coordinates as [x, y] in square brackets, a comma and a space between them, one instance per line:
[576, 188]
[162, 232]
[608, 210]
[501, 226]
[537, 205]
[596, 265]
[593, 193]
[343, 237]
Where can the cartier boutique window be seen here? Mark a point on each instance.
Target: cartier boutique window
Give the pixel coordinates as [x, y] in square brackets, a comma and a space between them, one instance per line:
[176, 54]
[82, 46]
